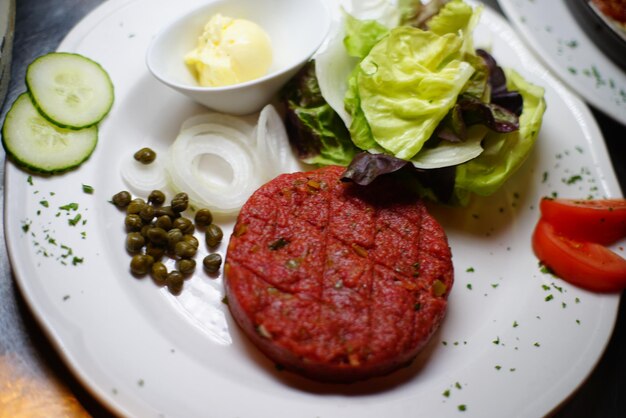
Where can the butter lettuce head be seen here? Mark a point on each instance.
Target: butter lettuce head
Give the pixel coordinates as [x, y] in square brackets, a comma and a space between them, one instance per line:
[405, 86]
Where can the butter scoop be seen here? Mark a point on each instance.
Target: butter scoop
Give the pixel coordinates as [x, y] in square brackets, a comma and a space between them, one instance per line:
[230, 51]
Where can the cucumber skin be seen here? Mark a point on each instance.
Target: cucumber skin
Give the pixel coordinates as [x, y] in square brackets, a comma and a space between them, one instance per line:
[34, 169]
[63, 125]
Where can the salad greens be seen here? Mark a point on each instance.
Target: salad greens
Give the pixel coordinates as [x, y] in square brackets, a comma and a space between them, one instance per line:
[415, 98]
[314, 128]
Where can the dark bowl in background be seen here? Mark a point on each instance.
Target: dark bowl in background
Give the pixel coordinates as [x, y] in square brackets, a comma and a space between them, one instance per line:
[611, 41]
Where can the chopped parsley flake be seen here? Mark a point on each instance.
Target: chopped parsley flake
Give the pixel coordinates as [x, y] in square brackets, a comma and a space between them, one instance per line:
[549, 298]
[537, 345]
[573, 179]
[77, 260]
[29, 180]
[496, 341]
[515, 324]
[88, 189]
[544, 269]
[470, 270]
[498, 367]
[44, 203]
[69, 206]
[559, 288]
[462, 407]
[446, 393]
[74, 221]
[469, 286]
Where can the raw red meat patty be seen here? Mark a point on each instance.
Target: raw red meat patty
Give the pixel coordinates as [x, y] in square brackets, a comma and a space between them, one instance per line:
[335, 281]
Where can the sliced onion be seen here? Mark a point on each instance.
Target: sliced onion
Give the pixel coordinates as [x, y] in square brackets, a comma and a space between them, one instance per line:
[448, 154]
[226, 147]
[218, 160]
[142, 179]
[272, 145]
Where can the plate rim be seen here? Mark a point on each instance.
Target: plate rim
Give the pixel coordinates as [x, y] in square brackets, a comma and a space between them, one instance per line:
[111, 402]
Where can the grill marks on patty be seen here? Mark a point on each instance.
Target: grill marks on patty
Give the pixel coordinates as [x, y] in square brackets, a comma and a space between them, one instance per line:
[338, 274]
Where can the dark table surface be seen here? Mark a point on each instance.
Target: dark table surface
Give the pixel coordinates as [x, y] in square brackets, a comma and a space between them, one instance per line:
[34, 382]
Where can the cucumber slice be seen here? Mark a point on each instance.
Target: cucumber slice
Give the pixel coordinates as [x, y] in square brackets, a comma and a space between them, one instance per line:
[70, 90]
[38, 145]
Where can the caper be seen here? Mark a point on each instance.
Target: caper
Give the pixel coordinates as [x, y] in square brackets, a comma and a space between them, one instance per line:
[157, 235]
[145, 155]
[121, 199]
[186, 265]
[174, 235]
[184, 224]
[175, 281]
[141, 264]
[191, 240]
[159, 273]
[212, 262]
[138, 200]
[180, 202]
[156, 197]
[144, 230]
[155, 251]
[147, 213]
[164, 222]
[135, 207]
[183, 249]
[203, 217]
[133, 222]
[165, 211]
[213, 235]
[134, 242]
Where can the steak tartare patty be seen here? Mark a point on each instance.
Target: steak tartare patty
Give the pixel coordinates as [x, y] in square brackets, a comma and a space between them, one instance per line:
[335, 281]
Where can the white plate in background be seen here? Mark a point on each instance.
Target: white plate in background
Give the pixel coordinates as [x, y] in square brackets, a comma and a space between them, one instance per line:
[549, 29]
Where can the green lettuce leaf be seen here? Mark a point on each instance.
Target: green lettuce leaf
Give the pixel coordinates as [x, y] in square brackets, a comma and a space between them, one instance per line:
[315, 129]
[503, 153]
[406, 86]
[454, 17]
[362, 35]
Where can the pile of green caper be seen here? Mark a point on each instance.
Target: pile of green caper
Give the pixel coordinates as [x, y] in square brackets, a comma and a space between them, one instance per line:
[155, 231]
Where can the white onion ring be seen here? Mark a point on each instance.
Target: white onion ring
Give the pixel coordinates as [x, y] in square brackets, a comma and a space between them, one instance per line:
[272, 144]
[231, 146]
[218, 160]
[142, 179]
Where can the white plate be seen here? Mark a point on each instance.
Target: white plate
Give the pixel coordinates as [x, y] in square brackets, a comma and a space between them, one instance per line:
[509, 346]
[550, 29]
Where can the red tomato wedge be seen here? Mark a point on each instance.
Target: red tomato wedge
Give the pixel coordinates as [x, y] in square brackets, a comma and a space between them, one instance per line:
[601, 221]
[586, 264]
